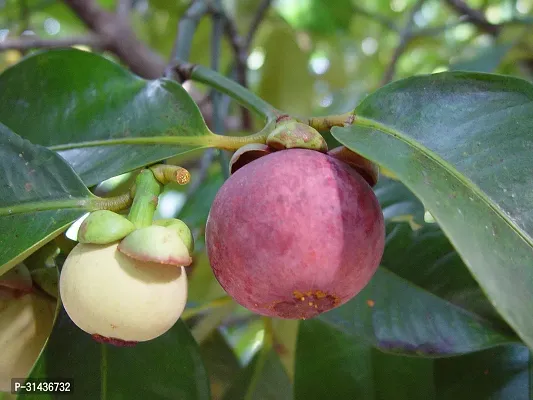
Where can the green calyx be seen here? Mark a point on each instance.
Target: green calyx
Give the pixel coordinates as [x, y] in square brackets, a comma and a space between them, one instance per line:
[181, 229]
[104, 227]
[157, 244]
[366, 168]
[290, 134]
[247, 154]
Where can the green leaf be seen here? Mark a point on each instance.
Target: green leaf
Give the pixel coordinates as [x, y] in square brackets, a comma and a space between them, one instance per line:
[397, 316]
[285, 333]
[462, 143]
[262, 379]
[427, 260]
[289, 89]
[169, 366]
[221, 363]
[67, 97]
[331, 365]
[34, 183]
[487, 59]
[501, 373]
[351, 369]
[398, 203]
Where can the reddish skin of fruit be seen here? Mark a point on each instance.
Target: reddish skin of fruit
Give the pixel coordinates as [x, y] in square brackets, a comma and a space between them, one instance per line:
[294, 234]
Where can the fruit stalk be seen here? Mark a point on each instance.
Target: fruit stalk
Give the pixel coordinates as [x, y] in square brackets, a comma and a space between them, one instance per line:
[170, 173]
[147, 190]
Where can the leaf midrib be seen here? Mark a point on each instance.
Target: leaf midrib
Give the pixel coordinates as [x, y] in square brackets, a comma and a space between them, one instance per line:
[467, 183]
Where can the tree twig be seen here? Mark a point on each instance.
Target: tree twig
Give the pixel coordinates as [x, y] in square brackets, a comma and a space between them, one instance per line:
[186, 29]
[241, 47]
[120, 38]
[38, 43]
[256, 22]
[474, 16]
[405, 37]
[383, 21]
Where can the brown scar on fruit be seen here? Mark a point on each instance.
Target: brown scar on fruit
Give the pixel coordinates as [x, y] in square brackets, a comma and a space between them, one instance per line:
[113, 341]
[370, 303]
[305, 304]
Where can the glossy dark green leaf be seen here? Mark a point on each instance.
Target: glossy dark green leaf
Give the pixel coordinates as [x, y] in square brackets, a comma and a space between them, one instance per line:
[330, 364]
[397, 316]
[168, 367]
[463, 144]
[502, 373]
[65, 97]
[221, 363]
[398, 203]
[262, 380]
[427, 260]
[34, 183]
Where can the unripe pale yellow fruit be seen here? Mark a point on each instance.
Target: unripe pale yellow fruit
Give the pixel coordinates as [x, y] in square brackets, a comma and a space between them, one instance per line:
[25, 324]
[109, 294]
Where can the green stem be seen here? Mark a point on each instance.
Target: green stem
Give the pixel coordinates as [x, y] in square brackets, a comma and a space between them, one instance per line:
[36, 206]
[237, 92]
[145, 200]
[231, 143]
[92, 203]
[166, 173]
[186, 29]
[115, 204]
[268, 340]
[329, 121]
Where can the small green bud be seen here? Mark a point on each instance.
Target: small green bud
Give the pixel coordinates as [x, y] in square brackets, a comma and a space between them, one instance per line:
[104, 227]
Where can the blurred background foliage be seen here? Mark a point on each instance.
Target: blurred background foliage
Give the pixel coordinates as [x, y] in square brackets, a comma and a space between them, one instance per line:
[311, 57]
[315, 57]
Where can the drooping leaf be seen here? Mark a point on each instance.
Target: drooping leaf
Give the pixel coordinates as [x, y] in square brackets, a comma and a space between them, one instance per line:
[500, 373]
[427, 259]
[285, 333]
[330, 364]
[33, 184]
[397, 316]
[263, 379]
[220, 362]
[66, 97]
[462, 143]
[398, 203]
[169, 366]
